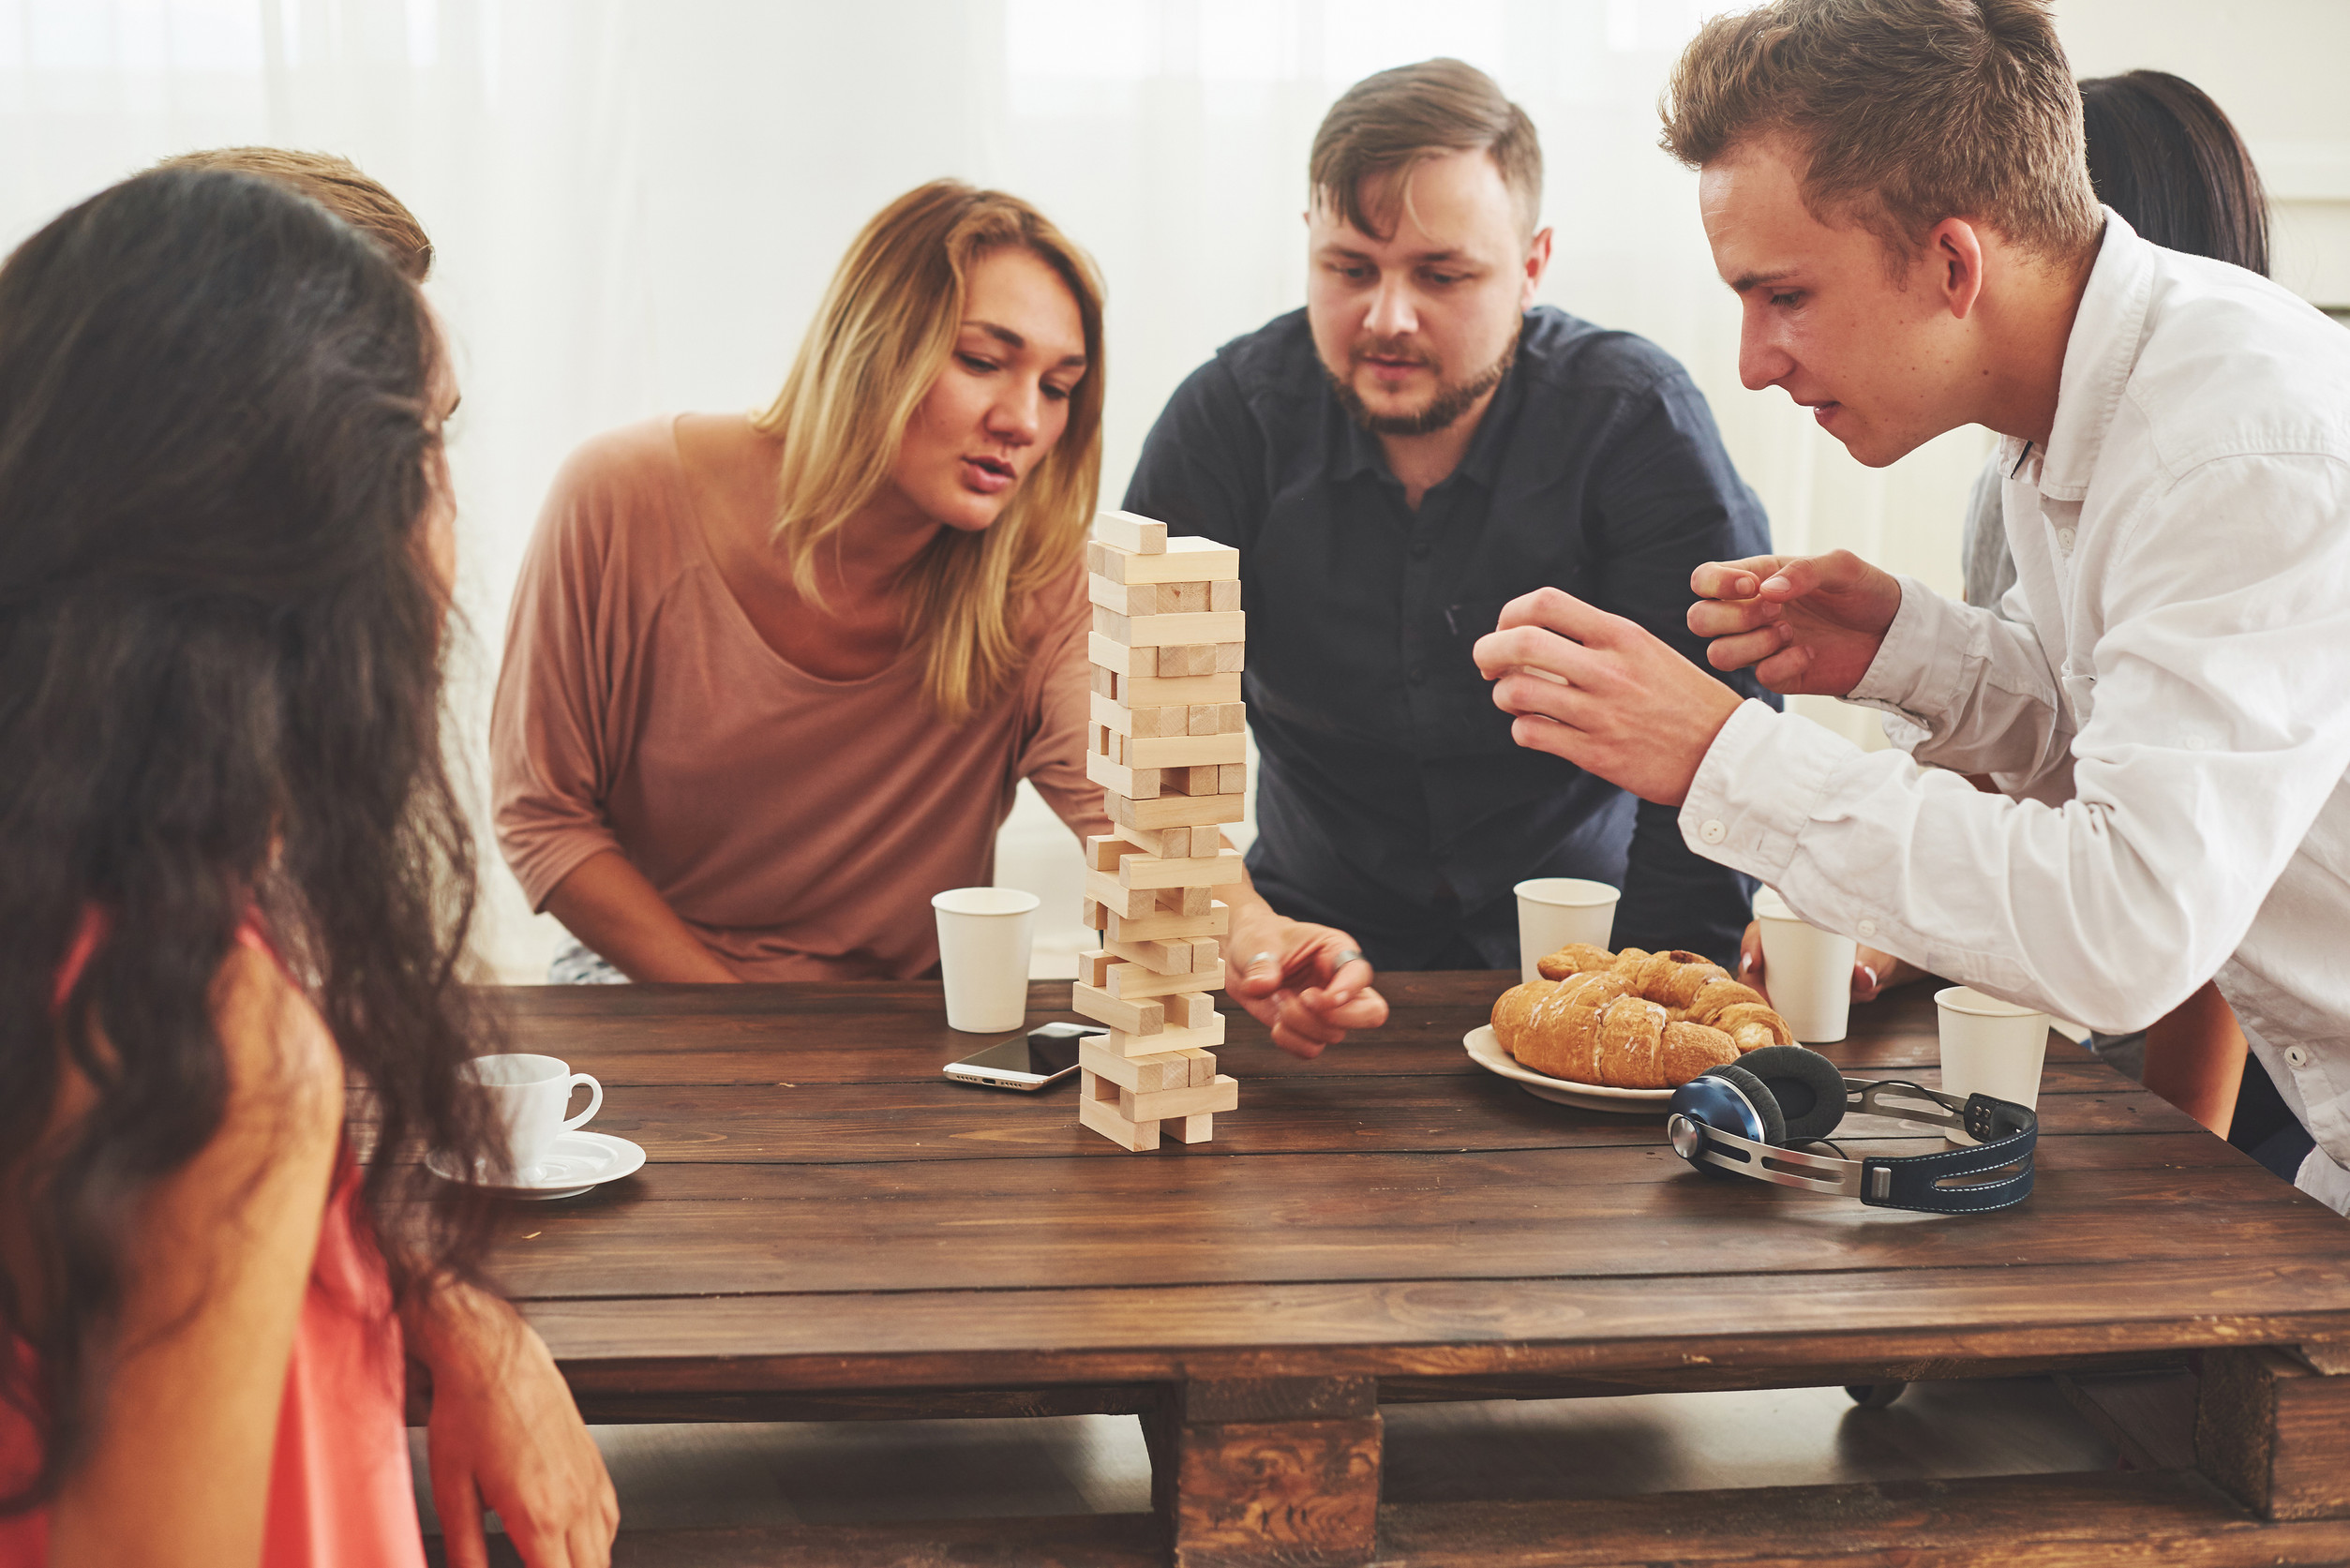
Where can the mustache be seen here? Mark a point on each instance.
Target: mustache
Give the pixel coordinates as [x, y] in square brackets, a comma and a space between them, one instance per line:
[1390, 348]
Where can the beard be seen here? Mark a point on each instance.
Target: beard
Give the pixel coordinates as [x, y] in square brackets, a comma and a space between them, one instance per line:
[1445, 408]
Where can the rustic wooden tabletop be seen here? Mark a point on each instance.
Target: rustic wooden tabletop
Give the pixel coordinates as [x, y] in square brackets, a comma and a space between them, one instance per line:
[826, 1227]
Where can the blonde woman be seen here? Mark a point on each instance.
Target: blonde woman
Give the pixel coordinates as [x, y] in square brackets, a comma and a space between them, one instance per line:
[770, 681]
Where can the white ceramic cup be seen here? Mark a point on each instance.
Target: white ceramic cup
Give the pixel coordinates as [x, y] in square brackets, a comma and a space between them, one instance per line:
[1989, 1047]
[984, 934]
[1807, 970]
[1553, 911]
[531, 1094]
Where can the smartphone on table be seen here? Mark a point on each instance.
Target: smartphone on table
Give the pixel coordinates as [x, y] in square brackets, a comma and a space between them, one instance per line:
[1045, 1055]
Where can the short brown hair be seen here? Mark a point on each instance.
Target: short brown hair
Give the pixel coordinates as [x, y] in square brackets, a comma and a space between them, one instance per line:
[1912, 111]
[337, 185]
[1389, 123]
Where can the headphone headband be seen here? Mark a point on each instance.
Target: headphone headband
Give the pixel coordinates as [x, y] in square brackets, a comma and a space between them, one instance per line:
[2007, 1133]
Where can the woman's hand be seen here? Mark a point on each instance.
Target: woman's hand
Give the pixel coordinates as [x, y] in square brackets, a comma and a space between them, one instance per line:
[1309, 984]
[504, 1434]
[1873, 972]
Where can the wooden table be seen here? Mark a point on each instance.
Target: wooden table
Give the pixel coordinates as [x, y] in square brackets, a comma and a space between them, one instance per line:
[829, 1229]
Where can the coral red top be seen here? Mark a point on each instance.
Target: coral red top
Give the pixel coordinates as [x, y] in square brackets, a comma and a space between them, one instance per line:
[340, 1490]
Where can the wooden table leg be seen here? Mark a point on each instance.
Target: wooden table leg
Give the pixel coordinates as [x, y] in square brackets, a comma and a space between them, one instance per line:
[2275, 1432]
[1268, 1471]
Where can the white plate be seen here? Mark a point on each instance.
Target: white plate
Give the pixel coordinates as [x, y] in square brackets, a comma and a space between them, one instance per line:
[578, 1163]
[1485, 1050]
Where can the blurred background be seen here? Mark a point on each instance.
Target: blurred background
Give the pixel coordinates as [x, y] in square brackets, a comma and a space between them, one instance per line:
[637, 203]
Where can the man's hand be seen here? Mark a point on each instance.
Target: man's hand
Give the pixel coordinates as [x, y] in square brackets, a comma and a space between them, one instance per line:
[1874, 973]
[1806, 623]
[1604, 693]
[505, 1435]
[1308, 984]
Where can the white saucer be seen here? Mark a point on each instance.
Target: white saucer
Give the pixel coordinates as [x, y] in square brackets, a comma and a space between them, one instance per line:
[1485, 1050]
[576, 1163]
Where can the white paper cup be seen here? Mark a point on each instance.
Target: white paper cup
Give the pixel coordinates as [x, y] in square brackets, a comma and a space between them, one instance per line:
[983, 939]
[1809, 972]
[1553, 911]
[531, 1094]
[1989, 1047]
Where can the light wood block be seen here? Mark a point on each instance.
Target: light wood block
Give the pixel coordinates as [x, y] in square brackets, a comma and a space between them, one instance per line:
[1190, 1010]
[1103, 1116]
[1125, 598]
[1131, 531]
[1161, 925]
[1174, 843]
[1174, 811]
[1146, 1075]
[1144, 724]
[1219, 870]
[1187, 599]
[1206, 718]
[1185, 900]
[1119, 1042]
[1201, 1063]
[1223, 1094]
[1148, 691]
[1134, 983]
[1168, 956]
[1233, 779]
[1187, 781]
[1225, 630]
[1135, 783]
[1184, 561]
[1092, 916]
[1093, 967]
[1188, 1129]
[1185, 751]
[1104, 850]
[1108, 653]
[1223, 596]
[1130, 902]
[1123, 1014]
[1231, 656]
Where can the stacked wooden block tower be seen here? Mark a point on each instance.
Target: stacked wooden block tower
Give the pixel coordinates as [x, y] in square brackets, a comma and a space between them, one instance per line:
[1168, 749]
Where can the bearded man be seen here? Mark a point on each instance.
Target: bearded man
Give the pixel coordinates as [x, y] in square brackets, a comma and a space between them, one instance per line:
[1417, 447]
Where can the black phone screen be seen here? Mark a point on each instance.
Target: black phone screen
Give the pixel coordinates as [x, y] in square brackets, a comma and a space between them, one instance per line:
[1041, 1053]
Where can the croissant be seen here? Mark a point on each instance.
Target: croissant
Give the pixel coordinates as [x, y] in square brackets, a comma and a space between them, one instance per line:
[1634, 1019]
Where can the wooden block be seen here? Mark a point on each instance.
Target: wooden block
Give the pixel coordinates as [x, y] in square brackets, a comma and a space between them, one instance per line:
[1185, 900]
[1174, 843]
[1119, 1042]
[1233, 779]
[1168, 956]
[1188, 1010]
[1187, 598]
[1223, 1094]
[1226, 629]
[1230, 656]
[1135, 783]
[1167, 1069]
[1174, 811]
[1125, 1015]
[1184, 661]
[1126, 598]
[1093, 968]
[1219, 870]
[1129, 532]
[1130, 902]
[1133, 982]
[2273, 1430]
[1148, 690]
[1201, 1065]
[1185, 751]
[1189, 1130]
[1184, 561]
[1223, 596]
[1231, 717]
[1186, 780]
[1142, 724]
[1206, 718]
[1105, 682]
[1103, 850]
[1107, 653]
[1094, 918]
[1161, 925]
[1104, 1118]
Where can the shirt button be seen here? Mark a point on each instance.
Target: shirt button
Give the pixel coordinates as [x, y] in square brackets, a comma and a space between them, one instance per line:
[1713, 832]
[2064, 540]
[2296, 1057]
[1866, 928]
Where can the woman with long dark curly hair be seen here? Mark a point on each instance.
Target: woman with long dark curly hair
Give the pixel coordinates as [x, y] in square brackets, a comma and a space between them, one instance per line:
[236, 885]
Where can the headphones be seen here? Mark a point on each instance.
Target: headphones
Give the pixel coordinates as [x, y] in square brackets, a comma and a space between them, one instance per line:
[1743, 1119]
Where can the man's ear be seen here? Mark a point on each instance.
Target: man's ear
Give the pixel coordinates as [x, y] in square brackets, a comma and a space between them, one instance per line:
[1954, 247]
[1538, 263]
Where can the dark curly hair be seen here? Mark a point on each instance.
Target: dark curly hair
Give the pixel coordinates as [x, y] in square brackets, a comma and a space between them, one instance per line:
[220, 693]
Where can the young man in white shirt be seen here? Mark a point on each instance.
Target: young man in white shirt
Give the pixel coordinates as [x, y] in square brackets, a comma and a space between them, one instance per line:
[1895, 190]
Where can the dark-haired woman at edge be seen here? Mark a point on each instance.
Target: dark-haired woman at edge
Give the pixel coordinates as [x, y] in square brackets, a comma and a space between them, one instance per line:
[237, 881]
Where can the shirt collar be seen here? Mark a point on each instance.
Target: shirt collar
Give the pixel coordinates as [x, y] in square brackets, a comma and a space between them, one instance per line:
[1359, 450]
[2107, 331]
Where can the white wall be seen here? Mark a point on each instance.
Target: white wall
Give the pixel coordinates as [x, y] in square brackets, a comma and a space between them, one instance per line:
[637, 201]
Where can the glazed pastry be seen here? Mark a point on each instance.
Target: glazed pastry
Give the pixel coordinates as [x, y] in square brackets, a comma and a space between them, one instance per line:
[1574, 959]
[1633, 1020]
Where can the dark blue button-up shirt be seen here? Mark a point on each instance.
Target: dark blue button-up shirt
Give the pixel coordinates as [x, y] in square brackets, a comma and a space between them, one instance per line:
[1391, 800]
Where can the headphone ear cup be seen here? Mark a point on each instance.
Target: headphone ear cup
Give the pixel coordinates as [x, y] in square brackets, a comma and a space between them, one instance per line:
[1758, 1095]
[1807, 1087]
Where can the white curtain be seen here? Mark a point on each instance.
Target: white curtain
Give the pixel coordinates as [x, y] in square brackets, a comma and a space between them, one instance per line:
[637, 203]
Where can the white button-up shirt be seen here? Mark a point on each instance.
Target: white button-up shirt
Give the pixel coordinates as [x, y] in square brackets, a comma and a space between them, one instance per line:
[2164, 695]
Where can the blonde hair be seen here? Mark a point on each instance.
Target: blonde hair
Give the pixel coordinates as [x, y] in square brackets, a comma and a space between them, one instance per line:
[878, 342]
[1911, 111]
[336, 183]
